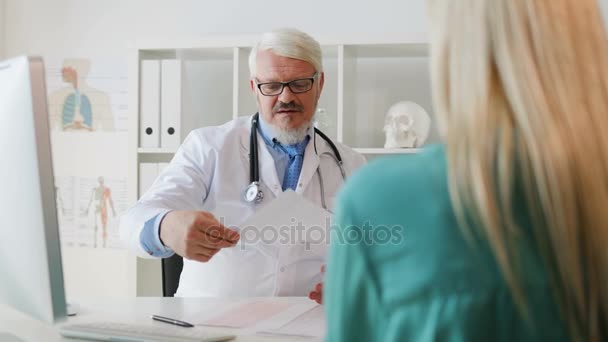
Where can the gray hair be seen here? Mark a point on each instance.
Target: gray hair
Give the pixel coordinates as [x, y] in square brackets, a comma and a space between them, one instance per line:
[288, 42]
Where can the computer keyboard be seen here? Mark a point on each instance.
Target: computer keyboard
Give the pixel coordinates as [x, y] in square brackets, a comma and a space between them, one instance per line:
[113, 331]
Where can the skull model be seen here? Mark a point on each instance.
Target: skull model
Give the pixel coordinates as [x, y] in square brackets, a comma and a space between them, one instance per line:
[401, 123]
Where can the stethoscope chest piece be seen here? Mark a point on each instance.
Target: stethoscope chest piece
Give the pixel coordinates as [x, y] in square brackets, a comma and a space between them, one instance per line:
[253, 194]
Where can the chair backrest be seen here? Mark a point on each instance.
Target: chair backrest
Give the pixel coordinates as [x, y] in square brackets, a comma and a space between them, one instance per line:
[171, 270]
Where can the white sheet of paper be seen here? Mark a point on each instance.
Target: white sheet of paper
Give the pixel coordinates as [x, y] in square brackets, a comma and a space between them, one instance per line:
[248, 314]
[286, 206]
[288, 219]
[308, 225]
[269, 315]
[310, 323]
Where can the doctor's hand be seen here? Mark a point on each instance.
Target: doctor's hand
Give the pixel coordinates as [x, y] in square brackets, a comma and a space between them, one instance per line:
[195, 235]
[317, 293]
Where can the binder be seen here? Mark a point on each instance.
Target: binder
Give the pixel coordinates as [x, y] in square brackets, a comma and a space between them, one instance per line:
[147, 175]
[170, 103]
[149, 135]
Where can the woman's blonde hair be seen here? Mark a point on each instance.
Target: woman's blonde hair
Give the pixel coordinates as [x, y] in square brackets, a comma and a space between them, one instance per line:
[521, 89]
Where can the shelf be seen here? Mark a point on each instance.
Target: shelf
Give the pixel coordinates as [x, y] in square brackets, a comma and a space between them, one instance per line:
[147, 150]
[371, 86]
[143, 150]
[365, 74]
[387, 150]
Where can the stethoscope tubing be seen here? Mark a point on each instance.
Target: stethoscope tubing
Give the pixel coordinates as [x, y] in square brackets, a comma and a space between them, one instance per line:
[253, 192]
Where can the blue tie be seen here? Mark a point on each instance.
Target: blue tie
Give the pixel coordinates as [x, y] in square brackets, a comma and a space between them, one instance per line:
[296, 158]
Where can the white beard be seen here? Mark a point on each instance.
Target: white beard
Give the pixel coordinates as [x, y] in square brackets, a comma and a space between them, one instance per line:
[292, 136]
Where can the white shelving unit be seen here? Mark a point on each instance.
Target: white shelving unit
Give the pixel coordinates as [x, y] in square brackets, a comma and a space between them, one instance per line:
[386, 151]
[150, 150]
[364, 76]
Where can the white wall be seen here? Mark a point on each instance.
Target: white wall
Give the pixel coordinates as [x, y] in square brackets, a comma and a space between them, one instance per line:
[82, 27]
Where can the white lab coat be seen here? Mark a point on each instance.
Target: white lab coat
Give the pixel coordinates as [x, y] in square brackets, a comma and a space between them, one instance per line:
[210, 172]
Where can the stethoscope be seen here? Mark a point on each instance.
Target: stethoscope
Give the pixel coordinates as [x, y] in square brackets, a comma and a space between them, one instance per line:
[253, 193]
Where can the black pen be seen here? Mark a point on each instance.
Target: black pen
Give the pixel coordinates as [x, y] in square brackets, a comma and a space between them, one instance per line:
[172, 321]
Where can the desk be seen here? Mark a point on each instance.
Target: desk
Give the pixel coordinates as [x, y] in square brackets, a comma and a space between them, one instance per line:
[135, 310]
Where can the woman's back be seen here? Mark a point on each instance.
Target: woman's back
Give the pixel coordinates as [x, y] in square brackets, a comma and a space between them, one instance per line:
[409, 274]
[520, 91]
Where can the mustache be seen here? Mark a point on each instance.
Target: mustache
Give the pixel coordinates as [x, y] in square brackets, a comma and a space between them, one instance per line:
[289, 106]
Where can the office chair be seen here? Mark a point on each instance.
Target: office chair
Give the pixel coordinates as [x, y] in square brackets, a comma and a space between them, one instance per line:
[171, 270]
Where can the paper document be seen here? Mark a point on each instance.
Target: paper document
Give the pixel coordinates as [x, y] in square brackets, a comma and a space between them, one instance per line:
[247, 315]
[310, 323]
[293, 217]
[294, 233]
[273, 316]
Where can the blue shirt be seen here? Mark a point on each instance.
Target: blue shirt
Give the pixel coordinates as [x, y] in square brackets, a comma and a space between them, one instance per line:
[150, 235]
[278, 153]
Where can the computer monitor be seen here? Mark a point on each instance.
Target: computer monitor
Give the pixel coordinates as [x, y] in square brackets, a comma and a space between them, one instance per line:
[31, 275]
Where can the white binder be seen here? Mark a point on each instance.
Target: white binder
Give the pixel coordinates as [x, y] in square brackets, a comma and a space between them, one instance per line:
[149, 135]
[147, 175]
[171, 103]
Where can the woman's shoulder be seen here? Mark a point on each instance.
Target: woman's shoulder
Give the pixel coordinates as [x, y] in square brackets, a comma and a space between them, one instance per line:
[409, 174]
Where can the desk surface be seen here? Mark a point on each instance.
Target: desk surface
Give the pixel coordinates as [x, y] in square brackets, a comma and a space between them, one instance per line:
[135, 310]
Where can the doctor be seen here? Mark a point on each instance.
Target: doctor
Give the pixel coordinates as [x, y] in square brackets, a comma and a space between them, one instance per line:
[221, 175]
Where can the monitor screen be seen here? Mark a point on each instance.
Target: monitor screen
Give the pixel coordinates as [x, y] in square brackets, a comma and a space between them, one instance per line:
[31, 275]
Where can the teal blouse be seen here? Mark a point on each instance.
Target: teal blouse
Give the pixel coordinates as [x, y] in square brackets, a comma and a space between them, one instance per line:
[400, 268]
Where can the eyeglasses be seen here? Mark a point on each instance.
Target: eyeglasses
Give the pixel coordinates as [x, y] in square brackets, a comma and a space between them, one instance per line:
[298, 86]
